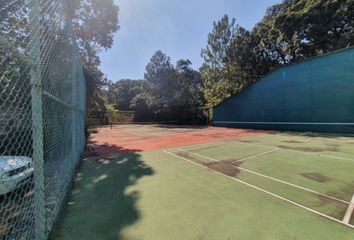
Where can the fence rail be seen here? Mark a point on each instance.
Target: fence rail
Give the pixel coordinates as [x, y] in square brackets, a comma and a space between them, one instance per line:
[42, 115]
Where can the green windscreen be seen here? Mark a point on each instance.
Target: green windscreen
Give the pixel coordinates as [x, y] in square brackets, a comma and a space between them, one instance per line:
[313, 95]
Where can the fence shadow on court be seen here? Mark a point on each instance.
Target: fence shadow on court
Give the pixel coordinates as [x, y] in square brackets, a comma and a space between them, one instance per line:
[100, 206]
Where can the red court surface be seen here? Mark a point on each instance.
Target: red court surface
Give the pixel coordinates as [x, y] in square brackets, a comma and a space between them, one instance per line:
[136, 138]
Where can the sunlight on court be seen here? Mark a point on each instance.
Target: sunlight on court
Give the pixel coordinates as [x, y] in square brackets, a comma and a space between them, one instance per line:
[167, 175]
[312, 173]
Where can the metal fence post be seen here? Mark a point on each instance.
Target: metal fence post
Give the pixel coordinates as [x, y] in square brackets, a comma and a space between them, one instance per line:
[37, 121]
[74, 109]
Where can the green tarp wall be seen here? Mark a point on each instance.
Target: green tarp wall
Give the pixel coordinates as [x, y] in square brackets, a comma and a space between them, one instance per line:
[314, 95]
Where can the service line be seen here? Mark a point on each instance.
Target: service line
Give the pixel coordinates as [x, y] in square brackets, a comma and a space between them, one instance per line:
[263, 190]
[269, 177]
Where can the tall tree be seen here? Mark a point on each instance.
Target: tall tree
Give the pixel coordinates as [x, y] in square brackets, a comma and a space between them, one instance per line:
[290, 31]
[311, 27]
[172, 93]
[217, 75]
[219, 40]
[162, 75]
[189, 97]
[91, 23]
[159, 70]
[94, 23]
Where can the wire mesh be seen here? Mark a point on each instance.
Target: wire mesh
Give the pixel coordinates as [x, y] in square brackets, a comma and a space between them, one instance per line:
[42, 115]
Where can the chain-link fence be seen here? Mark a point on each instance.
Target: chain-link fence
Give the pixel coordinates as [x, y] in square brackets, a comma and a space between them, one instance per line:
[102, 118]
[42, 115]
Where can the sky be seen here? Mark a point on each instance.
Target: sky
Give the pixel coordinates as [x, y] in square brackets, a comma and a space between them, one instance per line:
[178, 28]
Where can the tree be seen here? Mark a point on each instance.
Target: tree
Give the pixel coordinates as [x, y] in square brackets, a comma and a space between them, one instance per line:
[217, 75]
[219, 41]
[145, 107]
[90, 23]
[160, 71]
[312, 27]
[94, 23]
[168, 93]
[121, 93]
[95, 93]
[297, 29]
[190, 86]
[161, 74]
[189, 98]
[290, 31]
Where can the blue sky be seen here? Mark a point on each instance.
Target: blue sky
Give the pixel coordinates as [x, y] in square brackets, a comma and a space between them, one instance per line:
[179, 28]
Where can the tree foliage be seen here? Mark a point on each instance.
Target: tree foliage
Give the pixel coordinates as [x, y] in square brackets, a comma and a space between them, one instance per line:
[160, 71]
[234, 57]
[90, 23]
[94, 23]
[290, 31]
[177, 89]
[169, 93]
[123, 91]
[144, 105]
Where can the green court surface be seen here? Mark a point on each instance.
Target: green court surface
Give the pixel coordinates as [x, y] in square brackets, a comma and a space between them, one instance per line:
[271, 186]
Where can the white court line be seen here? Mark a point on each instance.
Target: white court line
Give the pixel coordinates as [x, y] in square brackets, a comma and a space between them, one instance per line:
[304, 152]
[256, 155]
[157, 130]
[263, 190]
[311, 138]
[210, 144]
[269, 177]
[263, 146]
[349, 212]
[199, 146]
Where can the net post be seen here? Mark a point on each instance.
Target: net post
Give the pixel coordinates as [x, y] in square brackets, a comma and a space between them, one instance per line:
[37, 121]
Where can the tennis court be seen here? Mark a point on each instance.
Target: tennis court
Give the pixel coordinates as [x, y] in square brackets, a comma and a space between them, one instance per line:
[186, 182]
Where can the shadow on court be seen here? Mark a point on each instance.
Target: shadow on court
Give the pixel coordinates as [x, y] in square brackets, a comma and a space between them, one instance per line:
[172, 126]
[106, 149]
[100, 206]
